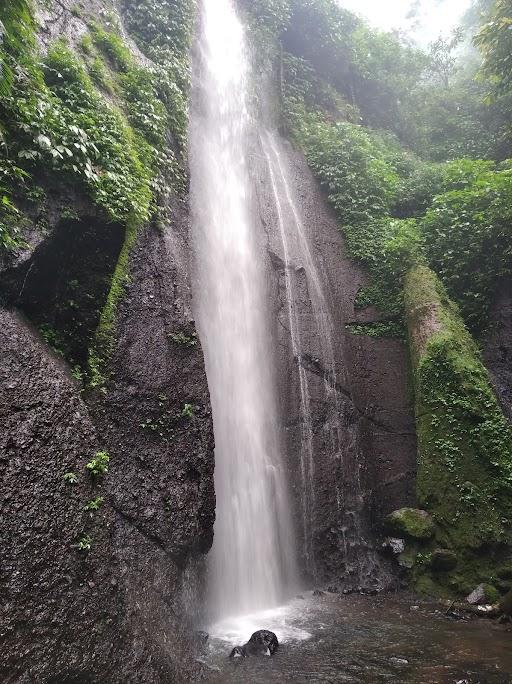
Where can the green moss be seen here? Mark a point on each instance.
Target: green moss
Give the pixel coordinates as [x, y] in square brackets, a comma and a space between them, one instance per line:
[464, 441]
[410, 522]
[112, 46]
[125, 151]
[102, 348]
[391, 329]
[492, 595]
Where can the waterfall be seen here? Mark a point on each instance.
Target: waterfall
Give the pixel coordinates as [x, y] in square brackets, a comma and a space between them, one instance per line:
[298, 253]
[252, 560]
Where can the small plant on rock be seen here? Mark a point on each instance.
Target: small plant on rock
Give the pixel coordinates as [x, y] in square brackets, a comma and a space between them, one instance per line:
[94, 504]
[183, 339]
[98, 465]
[71, 478]
[84, 543]
[188, 411]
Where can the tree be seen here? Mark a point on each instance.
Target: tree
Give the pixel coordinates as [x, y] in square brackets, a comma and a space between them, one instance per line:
[495, 43]
[442, 57]
[15, 24]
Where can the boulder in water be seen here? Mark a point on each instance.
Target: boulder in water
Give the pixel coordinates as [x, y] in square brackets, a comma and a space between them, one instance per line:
[262, 643]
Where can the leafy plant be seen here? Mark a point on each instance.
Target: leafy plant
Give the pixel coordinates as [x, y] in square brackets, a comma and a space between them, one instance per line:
[94, 504]
[495, 43]
[187, 411]
[84, 543]
[183, 339]
[70, 478]
[98, 465]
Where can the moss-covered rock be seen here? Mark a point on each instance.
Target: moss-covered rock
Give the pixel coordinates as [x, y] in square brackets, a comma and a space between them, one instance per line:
[410, 522]
[464, 440]
[484, 594]
[407, 558]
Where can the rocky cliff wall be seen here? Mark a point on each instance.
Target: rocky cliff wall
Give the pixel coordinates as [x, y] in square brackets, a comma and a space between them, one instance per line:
[362, 420]
[96, 568]
[497, 348]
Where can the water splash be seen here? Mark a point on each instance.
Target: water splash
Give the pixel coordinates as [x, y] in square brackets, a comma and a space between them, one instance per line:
[252, 560]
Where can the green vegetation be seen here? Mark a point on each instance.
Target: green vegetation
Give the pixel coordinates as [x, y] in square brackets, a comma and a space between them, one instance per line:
[183, 339]
[464, 441]
[84, 543]
[187, 411]
[92, 119]
[377, 329]
[70, 478]
[495, 42]
[94, 504]
[98, 465]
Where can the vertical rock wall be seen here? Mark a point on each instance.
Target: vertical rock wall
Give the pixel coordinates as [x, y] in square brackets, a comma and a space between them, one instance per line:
[364, 450]
[116, 610]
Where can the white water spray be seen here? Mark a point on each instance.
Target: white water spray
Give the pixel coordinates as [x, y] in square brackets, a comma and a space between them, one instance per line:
[252, 560]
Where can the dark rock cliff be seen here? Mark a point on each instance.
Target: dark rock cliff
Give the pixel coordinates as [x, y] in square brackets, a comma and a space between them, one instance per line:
[362, 418]
[96, 571]
[113, 613]
[497, 350]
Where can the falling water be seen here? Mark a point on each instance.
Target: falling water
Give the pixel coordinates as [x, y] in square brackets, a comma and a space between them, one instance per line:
[297, 252]
[252, 560]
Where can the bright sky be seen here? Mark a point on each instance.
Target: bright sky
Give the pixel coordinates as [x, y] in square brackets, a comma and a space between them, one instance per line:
[434, 16]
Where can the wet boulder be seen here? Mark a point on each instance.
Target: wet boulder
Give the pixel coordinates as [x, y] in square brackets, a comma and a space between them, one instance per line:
[262, 643]
[394, 544]
[484, 594]
[410, 522]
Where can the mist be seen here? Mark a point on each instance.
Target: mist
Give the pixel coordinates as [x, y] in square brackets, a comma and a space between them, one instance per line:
[422, 20]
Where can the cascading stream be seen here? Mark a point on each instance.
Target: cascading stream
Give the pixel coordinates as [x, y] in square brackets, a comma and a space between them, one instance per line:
[252, 560]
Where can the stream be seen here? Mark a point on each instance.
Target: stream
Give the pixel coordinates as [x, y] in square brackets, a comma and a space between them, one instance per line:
[363, 639]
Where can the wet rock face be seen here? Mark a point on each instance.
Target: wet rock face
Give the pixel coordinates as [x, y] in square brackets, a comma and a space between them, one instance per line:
[156, 416]
[497, 350]
[363, 456]
[114, 612]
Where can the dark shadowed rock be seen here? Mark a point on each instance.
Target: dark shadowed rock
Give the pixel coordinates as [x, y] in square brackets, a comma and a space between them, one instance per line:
[262, 643]
[506, 604]
[201, 641]
[444, 560]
